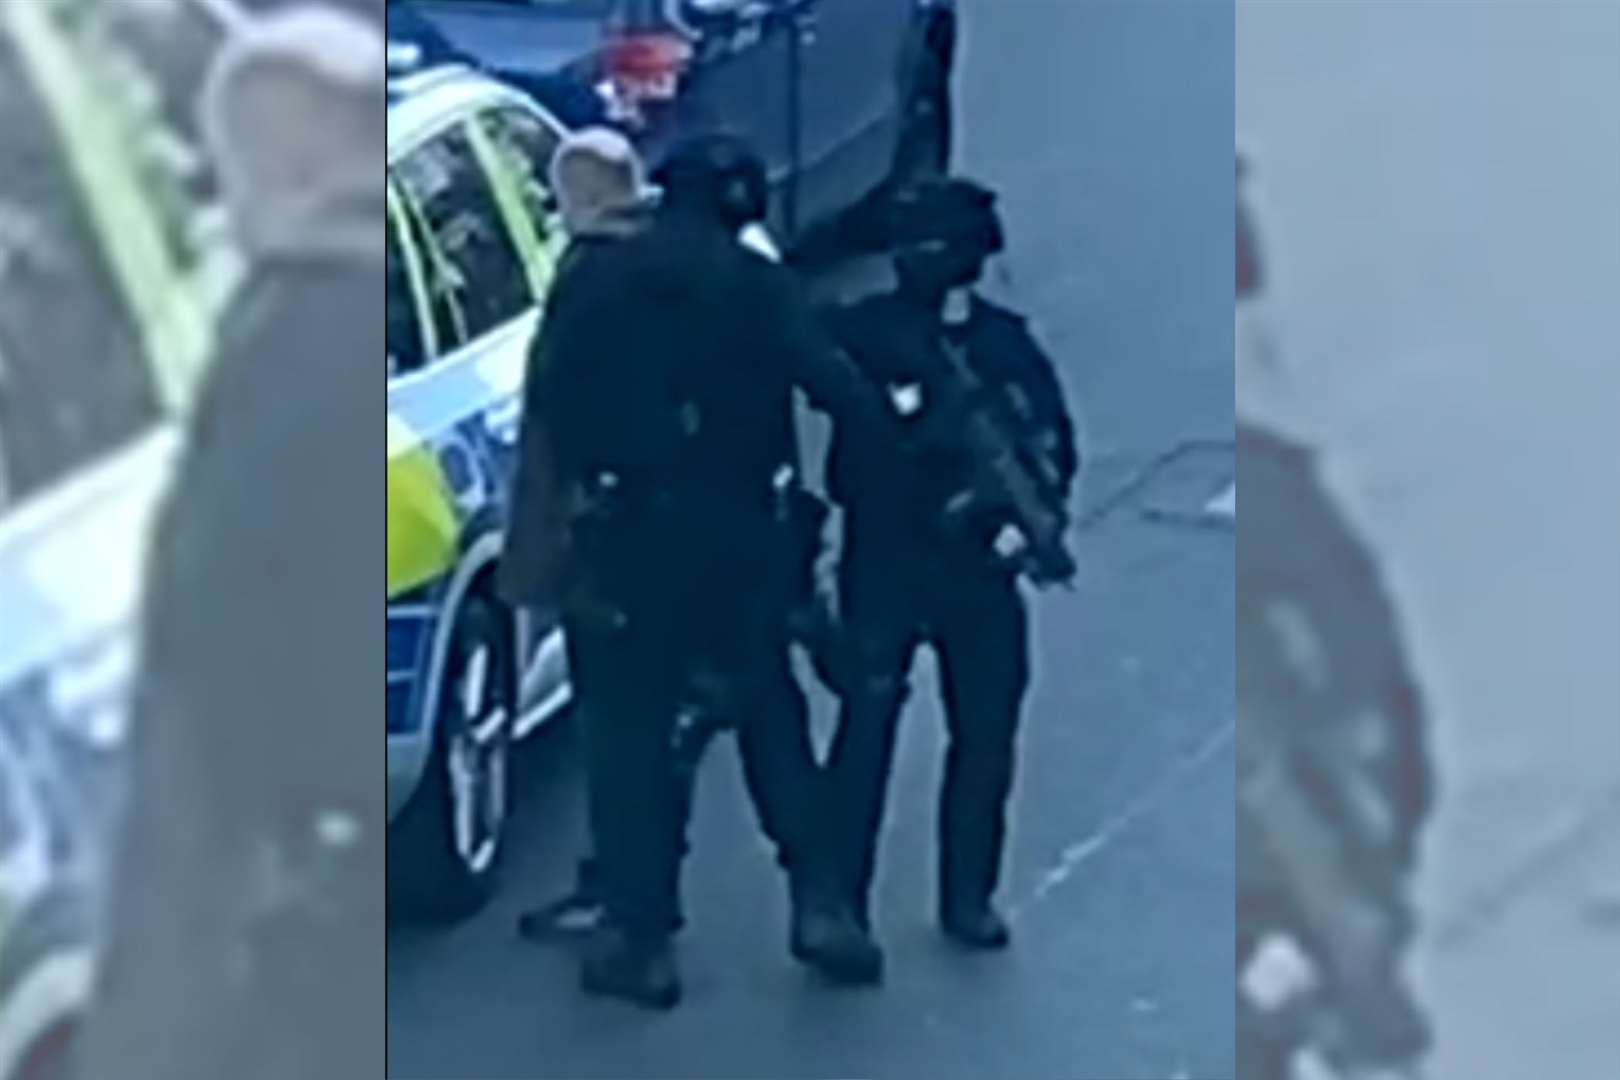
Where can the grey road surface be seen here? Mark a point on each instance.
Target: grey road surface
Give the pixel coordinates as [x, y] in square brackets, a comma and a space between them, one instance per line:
[1107, 128]
[1440, 196]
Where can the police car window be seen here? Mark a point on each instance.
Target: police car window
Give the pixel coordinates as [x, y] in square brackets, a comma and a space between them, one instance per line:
[445, 322]
[405, 348]
[475, 278]
[528, 143]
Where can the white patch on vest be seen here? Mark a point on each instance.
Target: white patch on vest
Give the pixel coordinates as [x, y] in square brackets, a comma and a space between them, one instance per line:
[1010, 542]
[907, 398]
[758, 239]
[1279, 971]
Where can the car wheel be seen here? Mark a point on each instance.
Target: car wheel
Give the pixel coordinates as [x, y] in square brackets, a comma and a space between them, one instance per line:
[443, 851]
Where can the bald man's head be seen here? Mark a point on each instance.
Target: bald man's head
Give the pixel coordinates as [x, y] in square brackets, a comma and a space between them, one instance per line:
[597, 176]
[295, 117]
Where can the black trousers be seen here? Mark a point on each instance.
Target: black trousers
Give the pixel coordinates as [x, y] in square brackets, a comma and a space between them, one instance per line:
[974, 617]
[632, 681]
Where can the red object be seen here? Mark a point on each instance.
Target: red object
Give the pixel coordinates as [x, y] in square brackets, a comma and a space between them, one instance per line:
[646, 64]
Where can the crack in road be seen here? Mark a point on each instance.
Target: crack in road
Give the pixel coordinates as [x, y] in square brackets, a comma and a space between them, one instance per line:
[1137, 483]
[1566, 838]
[1078, 854]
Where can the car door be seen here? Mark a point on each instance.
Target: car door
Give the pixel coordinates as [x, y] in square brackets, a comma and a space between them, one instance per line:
[851, 98]
[457, 362]
[526, 142]
[485, 240]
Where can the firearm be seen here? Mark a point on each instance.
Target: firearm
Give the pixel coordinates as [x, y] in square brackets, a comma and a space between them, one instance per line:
[1011, 474]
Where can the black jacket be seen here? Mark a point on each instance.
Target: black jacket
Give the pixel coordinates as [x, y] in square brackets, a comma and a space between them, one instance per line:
[668, 359]
[535, 563]
[895, 343]
[255, 713]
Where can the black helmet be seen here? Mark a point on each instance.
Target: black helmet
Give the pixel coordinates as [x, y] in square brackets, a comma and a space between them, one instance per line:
[719, 175]
[942, 231]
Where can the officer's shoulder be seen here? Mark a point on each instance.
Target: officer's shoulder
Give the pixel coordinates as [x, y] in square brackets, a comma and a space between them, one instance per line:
[1007, 337]
[1000, 319]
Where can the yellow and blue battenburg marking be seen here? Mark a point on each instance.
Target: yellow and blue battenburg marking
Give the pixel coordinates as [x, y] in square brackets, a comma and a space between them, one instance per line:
[452, 448]
[423, 530]
[452, 427]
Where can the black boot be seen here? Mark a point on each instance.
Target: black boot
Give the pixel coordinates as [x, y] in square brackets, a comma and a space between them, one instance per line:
[639, 970]
[974, 925]
[826, 936]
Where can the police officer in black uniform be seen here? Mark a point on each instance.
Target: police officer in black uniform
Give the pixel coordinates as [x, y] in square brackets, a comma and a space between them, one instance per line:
[911, 576]
[665, 370]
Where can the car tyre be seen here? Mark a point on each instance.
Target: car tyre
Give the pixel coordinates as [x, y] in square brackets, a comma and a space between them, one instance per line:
[444, 850]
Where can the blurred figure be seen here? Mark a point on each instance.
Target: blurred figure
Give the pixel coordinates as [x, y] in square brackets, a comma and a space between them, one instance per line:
[1333, 773]
[936, 540]
[245, 915]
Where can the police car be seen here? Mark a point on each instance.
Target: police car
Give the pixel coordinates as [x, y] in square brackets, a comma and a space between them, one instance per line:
[110, 289]
[472, 243]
